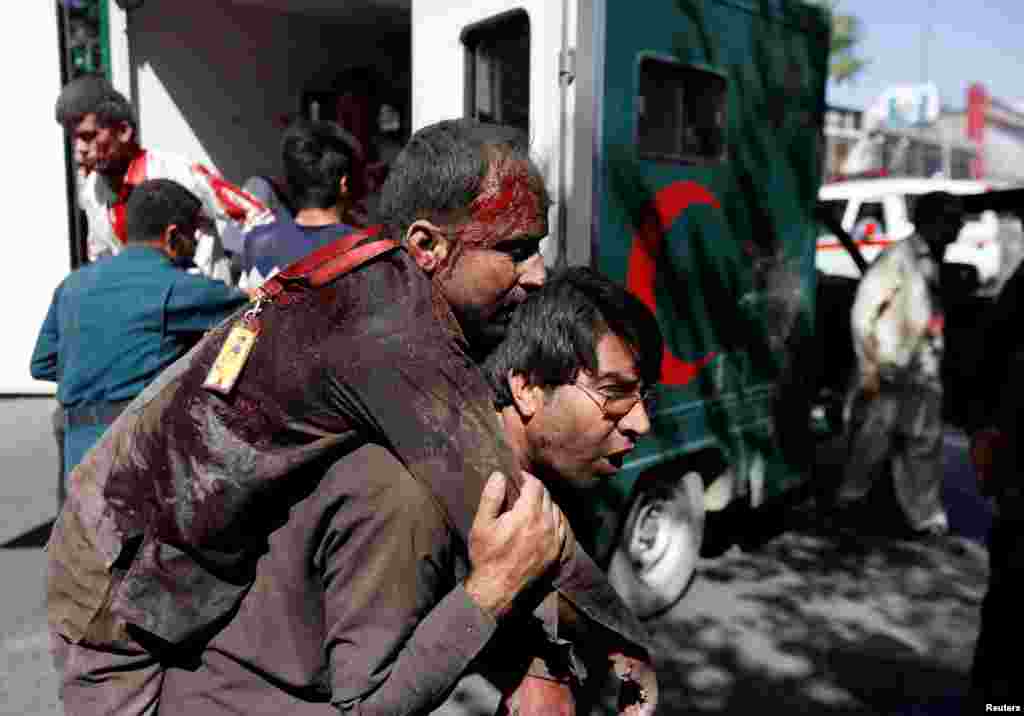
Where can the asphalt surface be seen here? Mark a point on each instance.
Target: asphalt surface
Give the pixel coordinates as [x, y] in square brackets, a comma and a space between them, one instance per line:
[808, 621]
[797, 622]
[28, 466]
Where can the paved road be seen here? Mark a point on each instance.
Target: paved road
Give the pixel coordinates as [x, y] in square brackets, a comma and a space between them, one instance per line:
[812, 624]
[28, 460]
[799, 624]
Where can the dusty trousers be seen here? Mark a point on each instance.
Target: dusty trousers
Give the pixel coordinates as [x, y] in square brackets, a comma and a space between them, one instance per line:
[900, 425]
[120, 679]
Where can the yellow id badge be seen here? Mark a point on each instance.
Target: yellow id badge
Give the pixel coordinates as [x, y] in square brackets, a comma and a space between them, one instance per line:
[232, 357]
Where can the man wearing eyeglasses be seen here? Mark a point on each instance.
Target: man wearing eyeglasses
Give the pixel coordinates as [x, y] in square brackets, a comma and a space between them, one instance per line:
[377, 594]
[571, 380]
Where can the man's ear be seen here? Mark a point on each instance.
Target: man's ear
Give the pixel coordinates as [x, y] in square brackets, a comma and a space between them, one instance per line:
[125, 133]
[427, 244]
[343, 186]
[528, 398]
[168, 240]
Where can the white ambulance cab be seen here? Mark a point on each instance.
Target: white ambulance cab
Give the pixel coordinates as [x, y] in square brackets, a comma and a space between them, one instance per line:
[876, 212]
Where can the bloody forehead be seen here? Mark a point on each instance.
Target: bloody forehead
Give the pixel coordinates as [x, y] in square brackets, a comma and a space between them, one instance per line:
[509, 203]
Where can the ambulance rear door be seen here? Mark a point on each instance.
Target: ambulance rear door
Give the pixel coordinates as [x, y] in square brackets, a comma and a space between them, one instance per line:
[37, 252]
[507, 62]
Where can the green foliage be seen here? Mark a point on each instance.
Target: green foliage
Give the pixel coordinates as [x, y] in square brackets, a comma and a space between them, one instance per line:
[844, 63]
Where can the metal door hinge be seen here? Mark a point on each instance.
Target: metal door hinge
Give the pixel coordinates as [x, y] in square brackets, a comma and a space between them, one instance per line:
[566, 67]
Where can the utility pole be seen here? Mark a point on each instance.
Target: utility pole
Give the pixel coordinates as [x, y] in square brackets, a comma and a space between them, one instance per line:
[926, 32]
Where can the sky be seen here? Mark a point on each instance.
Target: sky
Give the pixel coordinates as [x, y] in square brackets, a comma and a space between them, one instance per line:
[968, 41]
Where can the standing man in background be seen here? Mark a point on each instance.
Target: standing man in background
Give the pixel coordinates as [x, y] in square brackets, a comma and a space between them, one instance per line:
[318, 158]
[114, 325]
[104, 139]
[896, 406]
[103, 133]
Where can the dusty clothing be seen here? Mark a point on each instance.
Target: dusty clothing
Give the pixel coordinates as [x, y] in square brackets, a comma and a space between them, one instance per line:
[896, 405]
[902, 424]
[161, 513]
[358, 602]
[223, 203]
[119, 677]
[897, 318]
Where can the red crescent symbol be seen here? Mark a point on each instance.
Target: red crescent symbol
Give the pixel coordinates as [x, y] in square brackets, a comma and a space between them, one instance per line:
[668, 204]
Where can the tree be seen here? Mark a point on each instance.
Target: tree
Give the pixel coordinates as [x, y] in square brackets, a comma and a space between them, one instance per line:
[844, 64]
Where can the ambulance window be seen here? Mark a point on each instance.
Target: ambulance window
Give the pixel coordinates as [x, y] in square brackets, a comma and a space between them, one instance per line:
[680, 113]
[498, 70]
[873, 211]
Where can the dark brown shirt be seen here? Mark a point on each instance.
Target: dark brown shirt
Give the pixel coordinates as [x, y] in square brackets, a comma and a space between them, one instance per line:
[169, 512]
[358, 601]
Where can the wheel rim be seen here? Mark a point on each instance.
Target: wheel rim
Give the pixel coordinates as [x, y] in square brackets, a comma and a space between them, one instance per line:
[657, 556]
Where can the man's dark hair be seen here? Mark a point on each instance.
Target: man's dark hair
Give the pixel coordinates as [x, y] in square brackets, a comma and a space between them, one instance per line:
[155, 204]
[441, 169]
[93, 94]
[316, 155]
[361, 81]
[554, 334]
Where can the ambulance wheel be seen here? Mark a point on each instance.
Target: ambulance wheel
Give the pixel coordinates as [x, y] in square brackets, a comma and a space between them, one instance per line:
[656, 556]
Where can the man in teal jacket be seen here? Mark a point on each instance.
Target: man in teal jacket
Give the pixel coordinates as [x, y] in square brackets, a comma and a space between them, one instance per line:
[114, 325]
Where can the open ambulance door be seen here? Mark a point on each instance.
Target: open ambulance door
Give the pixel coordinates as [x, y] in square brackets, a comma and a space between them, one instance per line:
[37, 248]
[245, 69]
[513, 63]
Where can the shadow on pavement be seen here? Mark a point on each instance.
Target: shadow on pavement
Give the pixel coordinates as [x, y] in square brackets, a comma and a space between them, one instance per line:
[859, 620]
[811, 624]
[35, 537]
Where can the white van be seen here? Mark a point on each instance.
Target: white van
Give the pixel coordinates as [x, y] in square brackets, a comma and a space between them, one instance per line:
[876, 212]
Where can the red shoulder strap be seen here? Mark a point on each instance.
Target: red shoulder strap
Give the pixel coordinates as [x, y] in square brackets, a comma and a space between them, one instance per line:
[329, 262]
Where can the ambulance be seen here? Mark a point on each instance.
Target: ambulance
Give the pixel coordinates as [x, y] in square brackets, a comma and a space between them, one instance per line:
[877, 212]
[681, 141]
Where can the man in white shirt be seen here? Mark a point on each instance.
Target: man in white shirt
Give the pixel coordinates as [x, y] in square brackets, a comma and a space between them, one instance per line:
[104, 136]
[898, 336]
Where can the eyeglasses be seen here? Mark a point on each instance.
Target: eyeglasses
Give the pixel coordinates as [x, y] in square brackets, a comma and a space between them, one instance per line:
[616, 407]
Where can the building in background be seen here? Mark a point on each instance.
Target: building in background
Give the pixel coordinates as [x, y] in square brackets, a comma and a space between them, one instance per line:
[843, 129]
[983, 141]
[996, 129]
